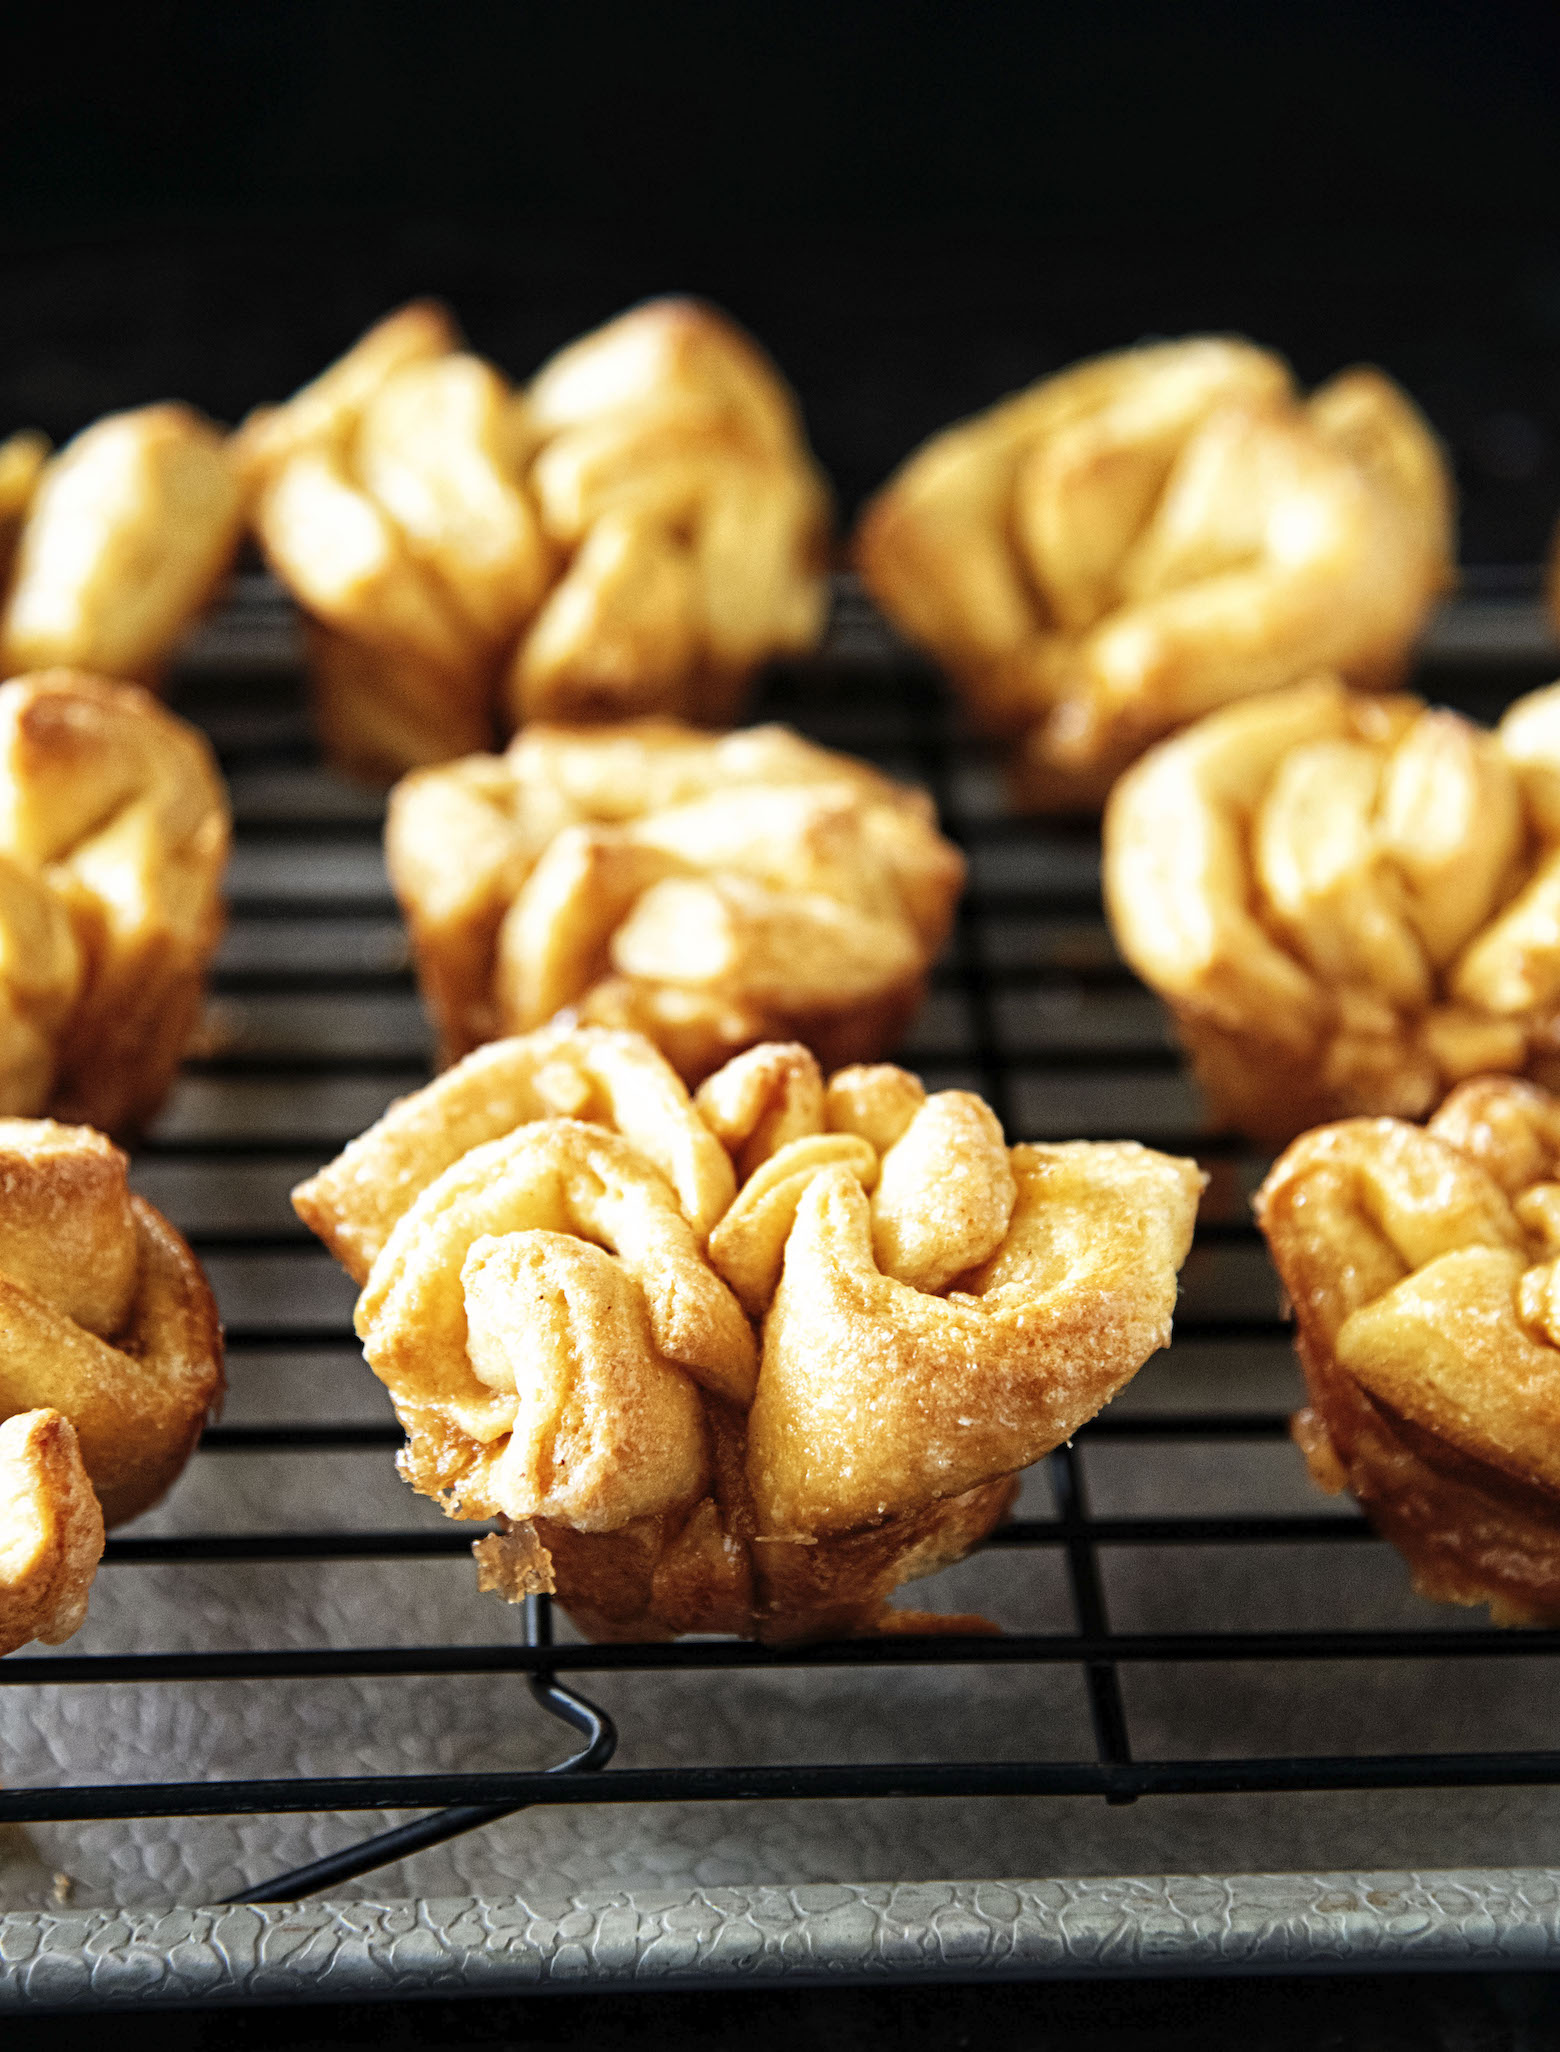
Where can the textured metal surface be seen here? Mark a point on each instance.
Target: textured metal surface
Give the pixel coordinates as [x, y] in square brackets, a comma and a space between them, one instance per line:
[756, 1937]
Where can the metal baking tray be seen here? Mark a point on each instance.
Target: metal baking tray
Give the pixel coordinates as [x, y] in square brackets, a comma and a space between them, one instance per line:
[293, 1753]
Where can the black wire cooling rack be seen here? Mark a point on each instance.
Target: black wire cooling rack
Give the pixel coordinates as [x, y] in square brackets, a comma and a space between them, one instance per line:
[1030, 1006]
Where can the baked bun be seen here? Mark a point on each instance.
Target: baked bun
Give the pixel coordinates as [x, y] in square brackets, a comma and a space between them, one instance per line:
[116, 544]
[1421, 1264]
[114, 832]
[105, 1315]
[708, 892]
[51, 1530]
[1126, 545]
[1349, 903]
[636, 532]
[744, 1362]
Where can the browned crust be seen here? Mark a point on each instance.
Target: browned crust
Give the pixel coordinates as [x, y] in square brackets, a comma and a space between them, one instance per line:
[1469, 1500]
[1064, 554]
[568, 1357]
[139, 1400]
[51, 1530]
[518, 896]
[681, 545]
[88, 760]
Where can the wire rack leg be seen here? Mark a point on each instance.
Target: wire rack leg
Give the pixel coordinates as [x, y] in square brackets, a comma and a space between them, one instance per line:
[1106, 1708]
[571, 1708]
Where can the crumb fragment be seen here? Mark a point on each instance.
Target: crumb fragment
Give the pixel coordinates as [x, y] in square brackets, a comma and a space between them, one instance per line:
[513, 1564]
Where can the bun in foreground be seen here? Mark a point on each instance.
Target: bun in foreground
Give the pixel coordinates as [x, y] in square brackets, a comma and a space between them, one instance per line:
[743, 1362]
[51, 1531]
[1421, 1264]
[105, 1314]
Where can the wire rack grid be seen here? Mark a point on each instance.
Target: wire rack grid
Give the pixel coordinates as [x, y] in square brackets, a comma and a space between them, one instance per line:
[315, 1027]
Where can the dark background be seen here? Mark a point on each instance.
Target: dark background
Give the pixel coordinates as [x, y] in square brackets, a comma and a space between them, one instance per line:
[916, 206]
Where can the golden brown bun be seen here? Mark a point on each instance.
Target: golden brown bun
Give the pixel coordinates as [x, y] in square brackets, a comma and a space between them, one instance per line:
[104, 1312]
[51, 1530]
[637, 532]
[1421, 1266]
[1349, 903]
[1150, 534]
[23, 458]
[743, 1362]
[113, 838]
[707, 892]
[616, 1080]
[118, 541]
